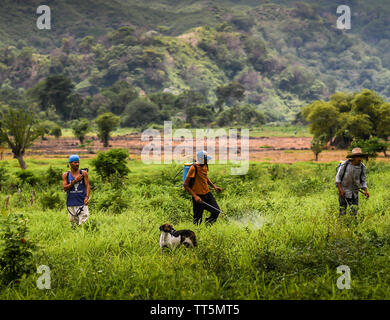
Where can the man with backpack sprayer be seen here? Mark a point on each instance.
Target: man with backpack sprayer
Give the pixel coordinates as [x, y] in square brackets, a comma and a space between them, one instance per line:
[75, 182]
[350, 179]
[197, 184]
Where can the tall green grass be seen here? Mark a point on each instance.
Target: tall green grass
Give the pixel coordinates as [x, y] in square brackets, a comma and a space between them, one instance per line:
[280, 239]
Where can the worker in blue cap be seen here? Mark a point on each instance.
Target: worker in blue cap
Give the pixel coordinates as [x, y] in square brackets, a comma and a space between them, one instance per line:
[197, 184]
[75, 182]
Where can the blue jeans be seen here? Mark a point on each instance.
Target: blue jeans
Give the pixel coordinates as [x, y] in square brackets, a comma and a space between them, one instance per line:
[352, 202]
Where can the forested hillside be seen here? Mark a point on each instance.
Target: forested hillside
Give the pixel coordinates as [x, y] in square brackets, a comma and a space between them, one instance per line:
[278, 55]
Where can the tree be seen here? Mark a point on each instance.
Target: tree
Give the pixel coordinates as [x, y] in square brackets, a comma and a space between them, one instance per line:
[229, 94]
[188, 99]
[164, 100]
[241, 115]
[120, 94]
[383, 126]
[368, 102]
[317, 145]
[56, 131]
[17, 128]
[323, 118]
[141, 112]
[80, 128]
[57, 91]
[124, 35]
[371, 146]
[45, 127]
[110, 163]
[106, 123]
[199, 115]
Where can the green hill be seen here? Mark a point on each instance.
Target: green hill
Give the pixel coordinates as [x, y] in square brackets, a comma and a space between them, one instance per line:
[285, 54]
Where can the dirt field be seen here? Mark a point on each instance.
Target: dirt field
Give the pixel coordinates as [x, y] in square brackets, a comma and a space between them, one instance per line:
[271, 149]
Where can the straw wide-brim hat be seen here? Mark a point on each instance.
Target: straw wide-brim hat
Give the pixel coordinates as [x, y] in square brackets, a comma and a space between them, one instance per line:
[356, 152]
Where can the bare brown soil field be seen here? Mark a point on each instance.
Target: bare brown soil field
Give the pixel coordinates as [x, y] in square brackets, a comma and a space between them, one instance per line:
[269, 149]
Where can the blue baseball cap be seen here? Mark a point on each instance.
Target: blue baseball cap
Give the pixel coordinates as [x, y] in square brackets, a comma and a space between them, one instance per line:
[200, 156]
[74, 157]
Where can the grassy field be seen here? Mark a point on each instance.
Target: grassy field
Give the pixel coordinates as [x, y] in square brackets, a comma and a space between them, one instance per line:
[263, 131]
[280, 238]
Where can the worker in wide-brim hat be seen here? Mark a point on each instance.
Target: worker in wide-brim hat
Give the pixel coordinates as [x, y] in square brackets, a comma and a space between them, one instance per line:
[356, 153]
[350, 179]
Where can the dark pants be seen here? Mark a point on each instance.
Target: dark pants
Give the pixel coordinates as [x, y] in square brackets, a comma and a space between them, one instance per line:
[345, 202]
[200, 207]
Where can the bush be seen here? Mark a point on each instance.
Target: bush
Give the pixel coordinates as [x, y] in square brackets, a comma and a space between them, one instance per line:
[3, 176]
[15, 252]
[113, 201]
[53, 176]
[80, 128]
[56, 131]
[27, 177]
[111, 162]
[106, 123]
[141, 112]
[50, 200]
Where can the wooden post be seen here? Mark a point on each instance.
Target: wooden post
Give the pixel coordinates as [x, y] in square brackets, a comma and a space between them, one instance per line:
[6, 202]
[32, 198]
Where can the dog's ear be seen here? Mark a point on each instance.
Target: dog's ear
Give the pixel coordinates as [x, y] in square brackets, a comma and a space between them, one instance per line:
[161, 228]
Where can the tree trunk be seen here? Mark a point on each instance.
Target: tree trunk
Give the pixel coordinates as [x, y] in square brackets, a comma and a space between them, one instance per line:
[21, 161]
[106, 138]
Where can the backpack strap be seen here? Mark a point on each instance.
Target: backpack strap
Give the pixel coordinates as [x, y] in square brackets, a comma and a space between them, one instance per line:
[196, 169]
[192, 180]
[345, 169]
[67, 175]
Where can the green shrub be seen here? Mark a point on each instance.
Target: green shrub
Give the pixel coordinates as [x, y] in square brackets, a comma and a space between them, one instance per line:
[113, 202]
[277, 171]
[16, 252]
[80, 128]
[3, 175]
[306, 186]
[27, 177]
[53, 176]
[56, 131]
[50, 200]
[111, 162]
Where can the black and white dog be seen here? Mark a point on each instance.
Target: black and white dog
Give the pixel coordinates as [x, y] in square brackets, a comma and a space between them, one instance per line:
[171, 238]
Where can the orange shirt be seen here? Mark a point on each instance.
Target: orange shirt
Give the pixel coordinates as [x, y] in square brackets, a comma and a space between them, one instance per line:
[200, 185]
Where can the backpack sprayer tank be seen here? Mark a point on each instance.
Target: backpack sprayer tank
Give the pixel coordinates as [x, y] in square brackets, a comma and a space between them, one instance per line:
[186, 168]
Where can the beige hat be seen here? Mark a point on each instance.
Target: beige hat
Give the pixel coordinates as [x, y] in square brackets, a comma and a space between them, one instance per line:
[356, 152]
